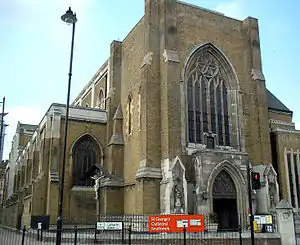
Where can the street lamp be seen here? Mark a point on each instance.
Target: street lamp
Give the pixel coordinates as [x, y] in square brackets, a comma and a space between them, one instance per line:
[70, 18]
[249, 167]
[2, 127]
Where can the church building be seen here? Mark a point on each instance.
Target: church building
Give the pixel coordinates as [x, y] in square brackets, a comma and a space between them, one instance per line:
[175, 115]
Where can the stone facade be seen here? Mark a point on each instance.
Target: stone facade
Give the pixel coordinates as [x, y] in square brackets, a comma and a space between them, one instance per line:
[175, 115]
[20, 139]
[3, 165]
[38, 168]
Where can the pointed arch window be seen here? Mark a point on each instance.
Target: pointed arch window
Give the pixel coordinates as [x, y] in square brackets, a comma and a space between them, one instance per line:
[207, 99]
[101, 103]
[139, 109]
[86, 153]
[129, 106]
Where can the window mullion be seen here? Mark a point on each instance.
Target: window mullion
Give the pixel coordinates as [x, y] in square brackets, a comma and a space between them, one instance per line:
[208, 111]
[194, 111]
[201, 109]
[216, 106]
[223, 112]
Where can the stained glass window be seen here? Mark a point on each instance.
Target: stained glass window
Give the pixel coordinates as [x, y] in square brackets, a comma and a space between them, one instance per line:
[198, 113]
[191, 111]
[207, 99]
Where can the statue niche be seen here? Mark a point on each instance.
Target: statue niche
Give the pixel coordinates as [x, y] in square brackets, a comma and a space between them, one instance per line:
[272, 189]
[178, 203]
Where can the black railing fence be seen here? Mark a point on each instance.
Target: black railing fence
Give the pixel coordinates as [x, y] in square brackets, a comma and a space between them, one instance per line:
[131, 229]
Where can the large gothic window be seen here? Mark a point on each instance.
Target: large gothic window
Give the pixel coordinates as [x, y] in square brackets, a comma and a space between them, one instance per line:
[207, 99]
[86, 153]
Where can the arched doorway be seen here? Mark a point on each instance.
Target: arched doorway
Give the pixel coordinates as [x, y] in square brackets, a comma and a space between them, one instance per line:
[225, 201]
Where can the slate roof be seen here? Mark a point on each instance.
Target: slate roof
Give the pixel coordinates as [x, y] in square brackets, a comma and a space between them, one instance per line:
[275, 104]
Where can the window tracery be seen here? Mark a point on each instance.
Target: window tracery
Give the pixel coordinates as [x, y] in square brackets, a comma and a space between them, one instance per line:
[207, 100]
[224, 186]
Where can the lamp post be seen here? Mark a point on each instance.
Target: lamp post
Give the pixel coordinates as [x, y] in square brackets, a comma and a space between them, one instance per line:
[70, 18]
[250, 202]
[2, 127]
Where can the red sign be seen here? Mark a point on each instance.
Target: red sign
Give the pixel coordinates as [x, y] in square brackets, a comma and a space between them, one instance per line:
[176, 223]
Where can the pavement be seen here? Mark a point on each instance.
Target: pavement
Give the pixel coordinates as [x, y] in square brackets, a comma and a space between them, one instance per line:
[13, 237]
[8, 237]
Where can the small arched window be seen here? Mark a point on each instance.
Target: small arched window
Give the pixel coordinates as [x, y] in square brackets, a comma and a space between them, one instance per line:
[86, 153]
[129, 111]
[100, 100]
[139, 109]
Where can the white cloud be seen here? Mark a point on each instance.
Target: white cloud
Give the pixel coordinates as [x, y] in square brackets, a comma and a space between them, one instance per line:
[24, 114]
[232, 8]
[297, 125]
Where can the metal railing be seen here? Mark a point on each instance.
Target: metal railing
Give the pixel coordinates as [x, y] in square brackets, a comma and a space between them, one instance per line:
[133, 229]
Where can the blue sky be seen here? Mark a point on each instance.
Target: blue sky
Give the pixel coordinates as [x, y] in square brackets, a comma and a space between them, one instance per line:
[35, 47]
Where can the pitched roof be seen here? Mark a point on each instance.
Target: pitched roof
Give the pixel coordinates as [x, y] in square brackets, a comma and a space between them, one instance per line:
[275, 104]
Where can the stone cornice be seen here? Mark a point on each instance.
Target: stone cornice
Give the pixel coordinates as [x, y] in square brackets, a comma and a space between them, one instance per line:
[280, 111]
[111, 183]
[197, 7]
[293, 131]
[219, 149]
[82, 188]
[83, 113]
[147, 172]
[282, 122]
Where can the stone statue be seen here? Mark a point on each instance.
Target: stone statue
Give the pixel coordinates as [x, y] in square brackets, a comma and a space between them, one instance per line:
[97, 185]
[177, 203]
[272, 194]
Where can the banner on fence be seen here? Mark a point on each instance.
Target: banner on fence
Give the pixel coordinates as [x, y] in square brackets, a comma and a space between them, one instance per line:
[176, 223]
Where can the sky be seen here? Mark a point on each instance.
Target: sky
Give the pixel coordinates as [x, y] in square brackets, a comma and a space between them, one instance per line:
[35, 48]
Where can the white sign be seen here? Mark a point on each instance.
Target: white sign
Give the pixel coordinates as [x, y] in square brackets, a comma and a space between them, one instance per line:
[263, 219]
[109, 225]
[195, 222]
[100, 225]
[182, 223]
[39, 226]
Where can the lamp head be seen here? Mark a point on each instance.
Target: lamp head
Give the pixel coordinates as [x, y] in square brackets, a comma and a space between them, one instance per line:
[69, 17]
